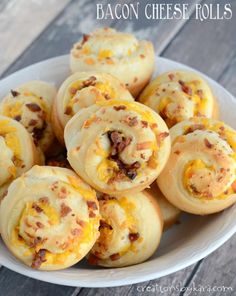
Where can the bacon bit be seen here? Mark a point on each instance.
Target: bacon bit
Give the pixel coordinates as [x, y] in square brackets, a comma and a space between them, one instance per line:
[154, 125]
[144, 145]
[200, 93]
[37, 208]
[194, 189]
[85, 38]
[62, 193]
[144, 123]
[104, 196]
[104, 224]
[89, 61]
[37, 240]
[92, 205]
[33, 107]
[65, 210]
[64, 246]
[40, 225]
[14, 93]
[142, 56]
[54, 185]
[135, 79]
[193, 128]
[134, 236]
[162, 136]
[207, 143]
[89, 82]
[185, 88]
[119, 142]
[92, 214]
[32, 122]
[81, 223]
[177, 152]
[222, 128]
[171, 76]
[39, 258]
[115, 256]
[76, 232]
[38, 132]
[118, 108]
[107, 97]
[92, 259]
[132, 121]
[44, 200]
[17, 117]
[234, 186]
[68, 110]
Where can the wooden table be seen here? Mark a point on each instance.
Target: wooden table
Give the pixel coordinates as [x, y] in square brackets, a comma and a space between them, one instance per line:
[33, 30]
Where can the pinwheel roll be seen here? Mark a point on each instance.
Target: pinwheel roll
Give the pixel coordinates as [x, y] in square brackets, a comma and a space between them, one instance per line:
[117, 147]
[31, 105]
[130, 230]
[179, 95]
[117, 53]
[14, 158]
[199, 177]
[169, 212]
[81, 90]
[49, 218]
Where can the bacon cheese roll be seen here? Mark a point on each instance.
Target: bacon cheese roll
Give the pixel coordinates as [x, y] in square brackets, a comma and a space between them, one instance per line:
[49, 218]
[130, 230]
[14, 158]
[117, 147]
[117, 53]
[81, 90]
[199, 177]
[179, 95]
[31, 105]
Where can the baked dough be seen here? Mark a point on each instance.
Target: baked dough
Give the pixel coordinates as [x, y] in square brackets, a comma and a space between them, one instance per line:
[169, 212]
[81, 90]
[31, 105]
[179, 95]
[117, 147]
[49, 218]
[15, 159]
[130, 230]
[199, 177]
[117, 53]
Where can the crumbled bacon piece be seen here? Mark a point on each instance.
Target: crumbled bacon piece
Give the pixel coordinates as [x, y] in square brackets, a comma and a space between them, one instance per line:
[132, 121]
[39, 258]
[39, 225]
[207, 143]
[185, 88]
[32, 122]
[89, 82]
[133, 236]
[142, 56]
[119, 142]
[115, 256]
[44, 199]
[92, 259]
[65, 210]
[162, 136]
[144, 145]
[104, 224]
[171, 76]
[120, 107]
[144, 123]
[17, 118]
[68, 110]
[73, 90]
[234, 186]
[37, 208]
[85, 38]
[200, 93]
[92, 205]
[33, 107]
[76, 232]
[194, 127]
[14, 93]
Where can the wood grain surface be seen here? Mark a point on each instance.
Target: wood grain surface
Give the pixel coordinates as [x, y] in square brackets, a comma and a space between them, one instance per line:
[208, 46]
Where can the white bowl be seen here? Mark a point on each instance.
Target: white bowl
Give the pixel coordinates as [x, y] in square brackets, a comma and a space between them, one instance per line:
[180, 247]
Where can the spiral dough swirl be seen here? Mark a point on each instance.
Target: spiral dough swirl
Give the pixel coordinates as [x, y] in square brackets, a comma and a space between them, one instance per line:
[201, 167]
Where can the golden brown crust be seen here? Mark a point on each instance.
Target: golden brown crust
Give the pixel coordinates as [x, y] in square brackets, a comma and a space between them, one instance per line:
[130, 230]
[201, 167]
[49, 218]
[120, 54]
[179, 95]
[117, 147]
